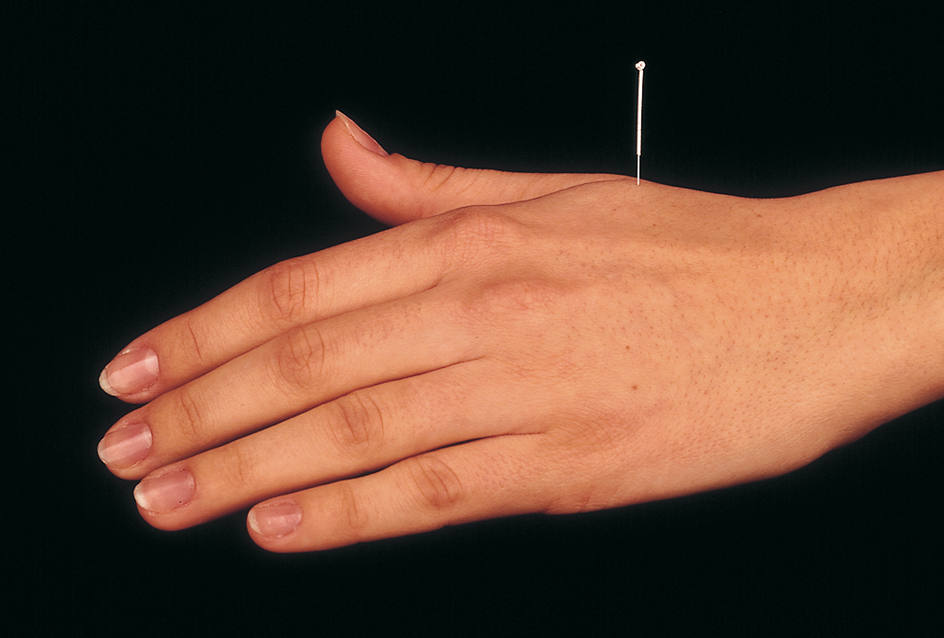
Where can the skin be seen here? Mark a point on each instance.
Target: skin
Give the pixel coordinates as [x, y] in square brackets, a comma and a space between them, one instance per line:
[539, 343]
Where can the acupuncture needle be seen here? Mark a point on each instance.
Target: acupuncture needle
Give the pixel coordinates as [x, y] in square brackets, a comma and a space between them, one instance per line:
[639, 66]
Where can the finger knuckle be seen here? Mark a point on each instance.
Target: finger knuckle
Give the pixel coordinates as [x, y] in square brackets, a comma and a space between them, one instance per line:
[470, 234]
[353, 516]
[436, 485]
[359, 423]
[529, 299]
[237, 468]
[299, 359]
[525, 294]
[288, 290]
[190, 418]
[194, 334]
[433, 177]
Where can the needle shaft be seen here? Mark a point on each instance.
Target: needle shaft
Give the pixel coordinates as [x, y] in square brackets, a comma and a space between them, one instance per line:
[639, 66]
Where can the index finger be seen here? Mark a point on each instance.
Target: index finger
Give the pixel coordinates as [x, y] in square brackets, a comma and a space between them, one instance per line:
[376, 269]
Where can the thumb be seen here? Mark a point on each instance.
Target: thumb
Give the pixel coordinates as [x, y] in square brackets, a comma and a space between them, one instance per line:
[395, 189]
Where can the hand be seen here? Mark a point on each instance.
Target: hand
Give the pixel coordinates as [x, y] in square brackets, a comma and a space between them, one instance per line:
[532, 343]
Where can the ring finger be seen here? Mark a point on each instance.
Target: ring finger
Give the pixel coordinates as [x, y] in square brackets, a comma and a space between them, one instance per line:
[356, 434]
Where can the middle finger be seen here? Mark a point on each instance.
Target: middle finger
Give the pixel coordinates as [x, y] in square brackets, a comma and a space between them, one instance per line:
[286, 376]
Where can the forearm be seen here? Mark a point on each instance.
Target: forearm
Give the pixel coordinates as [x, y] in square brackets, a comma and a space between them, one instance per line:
[922, 303]
[891, 233]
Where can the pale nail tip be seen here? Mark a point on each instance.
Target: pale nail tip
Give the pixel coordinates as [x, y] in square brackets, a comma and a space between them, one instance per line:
[140, 498]
[102, 453]
[278, 527]
[103, 382]
[344, 120]
[253, 521]
[254, 525]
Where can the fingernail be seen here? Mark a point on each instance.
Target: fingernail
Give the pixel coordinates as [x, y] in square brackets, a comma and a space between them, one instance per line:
[165, 492]
[130, 372]
[123, 447]
[360, 136]
[276, 519]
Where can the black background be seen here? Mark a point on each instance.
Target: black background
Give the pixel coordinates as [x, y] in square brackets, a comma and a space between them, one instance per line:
[156, 155]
